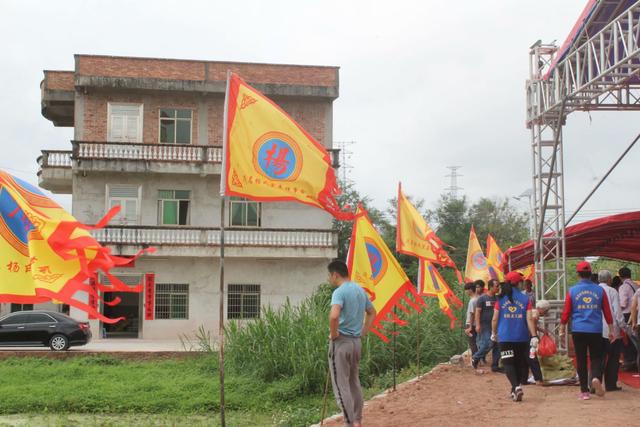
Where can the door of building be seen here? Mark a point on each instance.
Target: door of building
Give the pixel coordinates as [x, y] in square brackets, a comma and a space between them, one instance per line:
[130, 307]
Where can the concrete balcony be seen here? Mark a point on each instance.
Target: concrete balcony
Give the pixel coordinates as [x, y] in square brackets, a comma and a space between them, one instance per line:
[205, 242]
[88, 156]
[92, 156]
[54, 171]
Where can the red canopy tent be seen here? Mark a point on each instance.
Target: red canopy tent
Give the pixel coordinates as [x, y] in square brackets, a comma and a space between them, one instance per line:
[615, 236]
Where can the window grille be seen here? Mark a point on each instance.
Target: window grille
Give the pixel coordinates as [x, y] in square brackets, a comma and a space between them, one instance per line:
[243, 301]
[172, 301]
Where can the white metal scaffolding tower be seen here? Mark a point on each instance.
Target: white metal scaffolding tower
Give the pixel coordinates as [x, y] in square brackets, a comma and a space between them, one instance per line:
[600, 71]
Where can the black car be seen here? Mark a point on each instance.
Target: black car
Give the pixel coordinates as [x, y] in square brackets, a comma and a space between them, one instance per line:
[42, 328]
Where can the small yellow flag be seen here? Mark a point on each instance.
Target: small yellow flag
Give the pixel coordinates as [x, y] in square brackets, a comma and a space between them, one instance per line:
[494, 258]
[477, 267]
[432, 283]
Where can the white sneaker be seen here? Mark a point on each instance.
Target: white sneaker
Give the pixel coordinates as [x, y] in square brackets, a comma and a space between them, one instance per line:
[517, 394]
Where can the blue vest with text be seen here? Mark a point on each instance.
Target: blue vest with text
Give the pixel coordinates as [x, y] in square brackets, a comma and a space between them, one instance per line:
[586, 307]
[512, 320]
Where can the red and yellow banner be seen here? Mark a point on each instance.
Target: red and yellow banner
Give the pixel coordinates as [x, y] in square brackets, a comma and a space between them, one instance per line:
[494, 259]
[270, 157]
[477, 267]
[415, 237]
[47, 255]
[373, 266]
[431, 283]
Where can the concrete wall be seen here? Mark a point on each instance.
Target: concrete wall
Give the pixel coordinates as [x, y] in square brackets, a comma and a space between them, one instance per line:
[89, 201]
[279, 280]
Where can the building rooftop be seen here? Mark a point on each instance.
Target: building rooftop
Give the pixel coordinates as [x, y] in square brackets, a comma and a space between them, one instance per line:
[118, 73]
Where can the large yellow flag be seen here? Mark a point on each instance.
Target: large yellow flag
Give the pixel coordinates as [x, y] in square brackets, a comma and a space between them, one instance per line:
[494, 259]
[415, 237]
[270, 157]
[477, 267]
[46, 255]
[373, 266]
[431, 283]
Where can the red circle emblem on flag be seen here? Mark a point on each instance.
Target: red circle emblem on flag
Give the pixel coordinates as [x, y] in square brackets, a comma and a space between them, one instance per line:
[479, 261]
[277, 156]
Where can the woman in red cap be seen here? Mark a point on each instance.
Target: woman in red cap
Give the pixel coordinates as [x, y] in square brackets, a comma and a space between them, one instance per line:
[513, 327]
[585, 304]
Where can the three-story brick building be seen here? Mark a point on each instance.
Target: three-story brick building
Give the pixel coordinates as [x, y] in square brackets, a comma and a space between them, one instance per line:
[147, 137]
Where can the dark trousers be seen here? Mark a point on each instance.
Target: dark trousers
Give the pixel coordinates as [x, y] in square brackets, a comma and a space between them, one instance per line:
[611, 362]
[590, 343]
[472, 341]
[629, 350]
[536, 371]
[514, 359]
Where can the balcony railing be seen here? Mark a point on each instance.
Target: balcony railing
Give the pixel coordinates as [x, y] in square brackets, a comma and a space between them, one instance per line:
[197, 236]
[54, 159]
[88, 150]
[154, 152]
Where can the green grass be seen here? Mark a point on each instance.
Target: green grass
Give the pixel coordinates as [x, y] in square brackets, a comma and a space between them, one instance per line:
[275, 375]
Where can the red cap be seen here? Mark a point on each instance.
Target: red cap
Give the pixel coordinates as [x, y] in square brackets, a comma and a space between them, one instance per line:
[583, 267]
[514, 277]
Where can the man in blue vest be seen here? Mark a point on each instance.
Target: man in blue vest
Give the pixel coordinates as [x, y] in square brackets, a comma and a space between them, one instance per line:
[585, 304]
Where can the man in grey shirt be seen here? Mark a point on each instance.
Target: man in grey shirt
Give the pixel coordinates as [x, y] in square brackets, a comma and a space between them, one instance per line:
[626, 291]
[611, 359]
[350, 318]
[470, 326]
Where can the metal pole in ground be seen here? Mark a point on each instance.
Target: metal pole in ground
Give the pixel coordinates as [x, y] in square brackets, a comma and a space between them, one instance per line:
[395, 334]
[223, 201]
[221, 314]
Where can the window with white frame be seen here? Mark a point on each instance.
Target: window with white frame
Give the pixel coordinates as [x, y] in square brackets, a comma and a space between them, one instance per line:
[244, 212]
[173, 207]
[172, 301]
[243, 301]
[125, 123]
[128, 198]
[175, 126]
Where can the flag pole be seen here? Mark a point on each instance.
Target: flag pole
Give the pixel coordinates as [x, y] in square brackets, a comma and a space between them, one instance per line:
[223, 202]
[395, 334]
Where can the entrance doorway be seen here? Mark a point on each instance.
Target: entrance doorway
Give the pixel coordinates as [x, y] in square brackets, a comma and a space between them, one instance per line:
[129, 307]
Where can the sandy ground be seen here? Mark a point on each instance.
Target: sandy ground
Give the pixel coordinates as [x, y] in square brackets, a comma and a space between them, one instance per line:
[457, 396]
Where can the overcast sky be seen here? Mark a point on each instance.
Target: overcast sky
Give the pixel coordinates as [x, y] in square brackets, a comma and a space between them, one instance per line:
[423, 84]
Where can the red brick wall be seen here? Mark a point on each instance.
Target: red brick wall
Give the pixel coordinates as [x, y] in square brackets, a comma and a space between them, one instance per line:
[172, 69]
[59, 80]
[311, 114]
[95, 114]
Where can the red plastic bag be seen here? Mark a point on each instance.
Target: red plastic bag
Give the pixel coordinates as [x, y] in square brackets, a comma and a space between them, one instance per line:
[547, 347]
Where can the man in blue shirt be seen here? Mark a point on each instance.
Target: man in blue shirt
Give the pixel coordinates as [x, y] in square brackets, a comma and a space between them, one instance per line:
[347, 323]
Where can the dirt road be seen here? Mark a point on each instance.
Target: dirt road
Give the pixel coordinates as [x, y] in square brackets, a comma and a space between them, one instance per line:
[456, 396]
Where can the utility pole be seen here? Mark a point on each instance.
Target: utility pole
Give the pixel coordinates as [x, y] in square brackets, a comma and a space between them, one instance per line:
[453, 183]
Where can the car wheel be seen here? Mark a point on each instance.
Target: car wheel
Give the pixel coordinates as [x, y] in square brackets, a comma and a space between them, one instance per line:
[59, 342]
